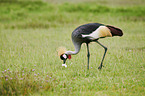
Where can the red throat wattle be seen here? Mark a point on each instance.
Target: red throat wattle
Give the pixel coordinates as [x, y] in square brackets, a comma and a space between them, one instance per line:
[69, 56]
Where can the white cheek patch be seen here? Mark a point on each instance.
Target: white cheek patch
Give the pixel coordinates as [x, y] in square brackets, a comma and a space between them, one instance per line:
[64, 56]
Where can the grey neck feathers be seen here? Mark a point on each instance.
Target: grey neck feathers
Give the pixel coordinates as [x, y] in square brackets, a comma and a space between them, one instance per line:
[77, 49]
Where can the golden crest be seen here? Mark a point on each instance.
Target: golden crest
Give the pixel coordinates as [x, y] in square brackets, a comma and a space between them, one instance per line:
[61, 50]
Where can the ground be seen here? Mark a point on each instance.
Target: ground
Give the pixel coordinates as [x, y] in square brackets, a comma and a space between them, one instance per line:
[31, 32]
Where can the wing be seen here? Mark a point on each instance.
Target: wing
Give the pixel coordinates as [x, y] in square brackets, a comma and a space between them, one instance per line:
[87, 28]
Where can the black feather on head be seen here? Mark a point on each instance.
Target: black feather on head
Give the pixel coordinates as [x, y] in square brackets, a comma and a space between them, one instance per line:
[63, 56]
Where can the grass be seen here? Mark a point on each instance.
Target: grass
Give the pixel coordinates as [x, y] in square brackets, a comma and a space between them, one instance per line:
[31, 32]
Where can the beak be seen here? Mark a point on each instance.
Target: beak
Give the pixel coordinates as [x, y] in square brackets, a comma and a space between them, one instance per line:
[64, 63]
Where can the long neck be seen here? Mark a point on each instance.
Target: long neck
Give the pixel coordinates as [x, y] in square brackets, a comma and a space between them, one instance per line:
[77, 49]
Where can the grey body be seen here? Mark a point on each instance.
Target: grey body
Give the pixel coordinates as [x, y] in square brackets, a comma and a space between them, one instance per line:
[87, 29]
[77, 38]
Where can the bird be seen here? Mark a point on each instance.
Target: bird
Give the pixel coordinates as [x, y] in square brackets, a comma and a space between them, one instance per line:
[87, 33]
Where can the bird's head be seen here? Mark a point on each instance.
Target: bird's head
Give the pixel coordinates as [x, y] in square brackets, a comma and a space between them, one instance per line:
[64, 57]
[62, 53]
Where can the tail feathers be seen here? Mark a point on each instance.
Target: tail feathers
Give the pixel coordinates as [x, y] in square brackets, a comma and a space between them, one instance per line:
[115, 31]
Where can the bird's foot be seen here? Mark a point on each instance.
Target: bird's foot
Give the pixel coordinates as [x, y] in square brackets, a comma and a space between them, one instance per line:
[100, 67]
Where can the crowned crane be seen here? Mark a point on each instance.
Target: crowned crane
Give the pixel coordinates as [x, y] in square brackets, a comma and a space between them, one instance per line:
[87, 33]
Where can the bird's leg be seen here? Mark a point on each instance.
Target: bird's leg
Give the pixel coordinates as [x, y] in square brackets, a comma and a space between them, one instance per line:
[88, 55]
[103, 55]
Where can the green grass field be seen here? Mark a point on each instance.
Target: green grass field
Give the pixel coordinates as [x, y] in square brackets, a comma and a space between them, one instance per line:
[31, 32]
